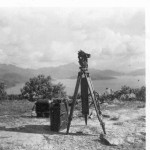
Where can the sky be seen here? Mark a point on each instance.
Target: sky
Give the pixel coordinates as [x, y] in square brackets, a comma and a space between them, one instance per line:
[35, 37]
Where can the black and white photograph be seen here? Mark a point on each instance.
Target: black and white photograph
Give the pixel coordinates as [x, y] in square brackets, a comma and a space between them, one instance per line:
[72, 78]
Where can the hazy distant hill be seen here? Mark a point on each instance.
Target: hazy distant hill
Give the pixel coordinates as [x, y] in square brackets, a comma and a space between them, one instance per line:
[60, 72]
[137, 72]
[11, 79]
[100, 74]
[11, 74]
[71, 71]
[4, 69]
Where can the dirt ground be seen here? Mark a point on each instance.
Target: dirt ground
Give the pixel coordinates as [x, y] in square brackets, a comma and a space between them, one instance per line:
[124, 122]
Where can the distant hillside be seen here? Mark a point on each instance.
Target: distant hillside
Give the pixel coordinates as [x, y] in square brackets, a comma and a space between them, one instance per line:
[60, 72]
[11, 79]
[100, 75]
[137, 72]
[11, 74]
[4, 69]
[70, 71]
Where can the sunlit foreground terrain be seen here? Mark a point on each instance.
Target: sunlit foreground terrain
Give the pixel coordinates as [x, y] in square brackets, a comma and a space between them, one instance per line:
[125, 127]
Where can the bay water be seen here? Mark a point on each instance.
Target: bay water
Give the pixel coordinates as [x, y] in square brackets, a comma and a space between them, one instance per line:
[99, 85]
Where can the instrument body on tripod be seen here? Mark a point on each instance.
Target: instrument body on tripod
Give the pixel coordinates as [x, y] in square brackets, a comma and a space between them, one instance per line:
[86, 86]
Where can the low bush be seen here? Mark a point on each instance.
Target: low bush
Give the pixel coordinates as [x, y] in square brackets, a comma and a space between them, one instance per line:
[126, 94]
[140, 93]
[3, 94]
[14, 97]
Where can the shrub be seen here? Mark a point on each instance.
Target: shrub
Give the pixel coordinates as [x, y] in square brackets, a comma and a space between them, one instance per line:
[14, 97]
[125, 90]
[42, 87]
[3, 94]
[140, 93]
[126, 93]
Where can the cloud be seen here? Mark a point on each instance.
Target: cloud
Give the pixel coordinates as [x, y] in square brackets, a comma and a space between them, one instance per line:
[61, 52]
[39, 37]
[3, 56]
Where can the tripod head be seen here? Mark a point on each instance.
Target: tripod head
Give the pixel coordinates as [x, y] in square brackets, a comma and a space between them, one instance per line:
[83, 59]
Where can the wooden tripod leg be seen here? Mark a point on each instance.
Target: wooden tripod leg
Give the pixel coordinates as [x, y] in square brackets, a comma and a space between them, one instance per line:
[74, 100]
[99, 115]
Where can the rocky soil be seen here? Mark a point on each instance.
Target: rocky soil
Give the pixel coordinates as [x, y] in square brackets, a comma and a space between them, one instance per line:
[124, 122]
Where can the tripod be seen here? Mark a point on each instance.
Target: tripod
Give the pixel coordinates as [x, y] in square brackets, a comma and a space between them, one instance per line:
[83, 73]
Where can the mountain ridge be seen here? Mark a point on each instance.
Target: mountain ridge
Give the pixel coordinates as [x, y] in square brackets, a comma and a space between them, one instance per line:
[11, 74]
